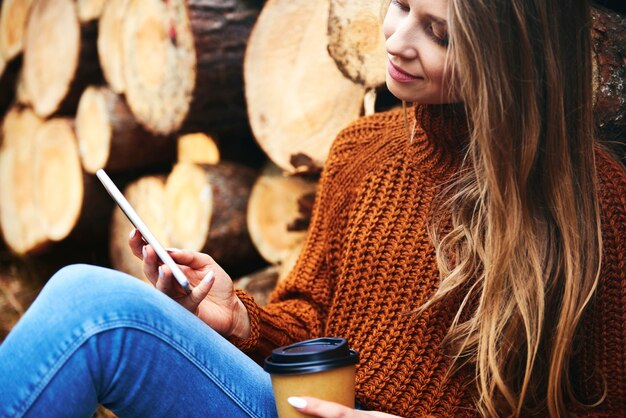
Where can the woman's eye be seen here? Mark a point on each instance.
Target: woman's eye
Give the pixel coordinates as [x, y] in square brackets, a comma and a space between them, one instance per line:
[402, 6]
[438, 33]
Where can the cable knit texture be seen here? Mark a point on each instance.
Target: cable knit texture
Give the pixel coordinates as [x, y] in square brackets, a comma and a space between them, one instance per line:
[368, 264]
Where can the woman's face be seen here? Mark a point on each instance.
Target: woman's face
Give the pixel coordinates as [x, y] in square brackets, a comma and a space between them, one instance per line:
[416, 33]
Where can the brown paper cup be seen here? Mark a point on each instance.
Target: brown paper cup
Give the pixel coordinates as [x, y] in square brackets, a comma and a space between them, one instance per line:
[323, 368]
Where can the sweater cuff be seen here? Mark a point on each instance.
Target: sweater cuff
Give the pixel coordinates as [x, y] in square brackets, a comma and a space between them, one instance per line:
[248, 344]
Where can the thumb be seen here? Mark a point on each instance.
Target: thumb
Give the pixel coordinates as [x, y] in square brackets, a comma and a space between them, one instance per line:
[202, 290]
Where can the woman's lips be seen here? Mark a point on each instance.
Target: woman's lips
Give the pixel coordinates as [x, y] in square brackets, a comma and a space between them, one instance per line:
[399, 75]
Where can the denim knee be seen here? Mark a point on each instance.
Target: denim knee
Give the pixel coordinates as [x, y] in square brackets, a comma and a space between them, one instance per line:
[82, 288]
[78, 275]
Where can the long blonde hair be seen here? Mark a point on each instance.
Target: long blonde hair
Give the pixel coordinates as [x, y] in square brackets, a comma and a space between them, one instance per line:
[524, 247]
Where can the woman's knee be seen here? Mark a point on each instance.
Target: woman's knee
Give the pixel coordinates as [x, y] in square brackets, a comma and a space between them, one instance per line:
[72, 278]
[88, 284]
[97, 296]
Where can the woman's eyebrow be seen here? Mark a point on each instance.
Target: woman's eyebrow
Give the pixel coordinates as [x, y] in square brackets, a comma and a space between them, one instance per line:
[435, 19]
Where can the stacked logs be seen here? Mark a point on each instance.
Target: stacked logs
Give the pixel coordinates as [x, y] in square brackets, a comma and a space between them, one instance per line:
[215, 116]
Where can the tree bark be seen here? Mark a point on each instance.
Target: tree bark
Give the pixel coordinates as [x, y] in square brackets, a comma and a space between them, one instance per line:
[147, 195]
[21, 96]
[221, 31]
[109, 136]
[272, 208]
[297, 98]
[8, 83]
[60, 57]
[206, 211]
[609, 38]
[616, 5]
[13, 16]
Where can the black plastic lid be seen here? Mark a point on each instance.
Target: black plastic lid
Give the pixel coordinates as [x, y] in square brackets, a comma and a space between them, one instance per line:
[311, 356]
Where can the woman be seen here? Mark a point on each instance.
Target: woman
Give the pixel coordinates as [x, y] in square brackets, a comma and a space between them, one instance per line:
[471, 249]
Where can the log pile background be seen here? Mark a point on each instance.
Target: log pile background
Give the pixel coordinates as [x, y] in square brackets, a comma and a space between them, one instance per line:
[215, 116]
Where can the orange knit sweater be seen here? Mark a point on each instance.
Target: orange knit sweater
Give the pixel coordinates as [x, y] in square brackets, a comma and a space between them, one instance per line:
[368, 263]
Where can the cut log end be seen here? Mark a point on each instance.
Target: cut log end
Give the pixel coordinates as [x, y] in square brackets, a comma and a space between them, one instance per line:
[93, 129]
[110, 43]
[159, 63]
[88, 10]
[58, 178]
[198, 148]
[18, 211]
[189, 203]
[272, 207]
[316, 100]
[13, 16]
[52, 41]
[356, 41]
[111, 138]
[260, 284]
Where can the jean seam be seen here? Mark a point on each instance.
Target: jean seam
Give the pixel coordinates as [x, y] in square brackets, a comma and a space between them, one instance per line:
[93, 330]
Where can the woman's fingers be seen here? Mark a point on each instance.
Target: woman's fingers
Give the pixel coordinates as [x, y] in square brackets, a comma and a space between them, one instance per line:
[166, 284]
[151, 263]
[200, 292]
[136, 242]
[319, 408]
[193, 259]
[324, 409]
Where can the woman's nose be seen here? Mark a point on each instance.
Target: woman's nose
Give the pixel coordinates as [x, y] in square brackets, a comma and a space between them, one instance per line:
[402, 40]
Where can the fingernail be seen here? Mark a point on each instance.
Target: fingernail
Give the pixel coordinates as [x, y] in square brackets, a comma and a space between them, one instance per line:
[144, 251]
[210, 276]
[173, 250]
[161, 272]
[132, 233]
[296, 402]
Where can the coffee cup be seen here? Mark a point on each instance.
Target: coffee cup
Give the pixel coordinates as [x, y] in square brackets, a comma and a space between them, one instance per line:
[323, 368]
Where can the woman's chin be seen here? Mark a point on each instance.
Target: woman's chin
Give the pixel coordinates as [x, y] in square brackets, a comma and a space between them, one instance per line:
[416, 94]
[399, 92]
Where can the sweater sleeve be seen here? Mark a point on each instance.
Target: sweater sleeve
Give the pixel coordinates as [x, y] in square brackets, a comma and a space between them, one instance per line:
[604, 335]
[298, 306]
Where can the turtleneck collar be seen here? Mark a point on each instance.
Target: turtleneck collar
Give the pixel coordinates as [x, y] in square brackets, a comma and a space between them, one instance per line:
[441, 131]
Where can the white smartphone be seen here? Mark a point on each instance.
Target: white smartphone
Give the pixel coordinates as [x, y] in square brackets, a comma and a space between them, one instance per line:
[134, 218]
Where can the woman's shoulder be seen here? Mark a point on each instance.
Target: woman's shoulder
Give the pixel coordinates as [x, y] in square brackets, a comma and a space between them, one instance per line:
[358, 149]
[368, 128]
[358, 137]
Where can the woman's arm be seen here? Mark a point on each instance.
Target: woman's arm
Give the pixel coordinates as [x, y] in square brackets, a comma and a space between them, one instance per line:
[299, 305]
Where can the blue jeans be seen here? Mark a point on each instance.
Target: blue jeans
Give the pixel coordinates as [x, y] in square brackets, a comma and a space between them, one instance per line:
[95, 335]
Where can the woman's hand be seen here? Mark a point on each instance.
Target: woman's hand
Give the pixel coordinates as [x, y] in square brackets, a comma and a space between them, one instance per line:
[212, 299]
[324, 409]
